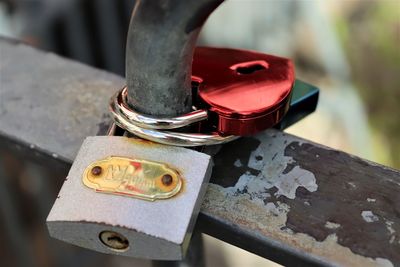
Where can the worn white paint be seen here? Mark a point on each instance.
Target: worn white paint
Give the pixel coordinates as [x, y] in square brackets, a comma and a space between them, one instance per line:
[271, 164]
[287, 184]
[270, 216]
[384, 262]
[369, 217]
[238, 163]
[392, 232]
[389, 227]
[277, 208]
[352, 184]
[332, 225]
[273, 224]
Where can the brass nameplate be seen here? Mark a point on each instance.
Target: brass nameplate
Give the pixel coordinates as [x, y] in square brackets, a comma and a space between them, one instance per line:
[133, 177]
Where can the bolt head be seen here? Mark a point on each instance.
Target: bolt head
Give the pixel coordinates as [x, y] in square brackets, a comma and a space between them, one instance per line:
[96, 170]
[167, 179]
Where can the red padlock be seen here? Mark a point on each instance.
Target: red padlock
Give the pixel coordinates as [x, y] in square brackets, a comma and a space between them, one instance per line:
[244, 91]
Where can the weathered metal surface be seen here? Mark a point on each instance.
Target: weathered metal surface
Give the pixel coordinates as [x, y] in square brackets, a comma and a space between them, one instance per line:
[277, 195]
[175, 24]
[38, 87]
[325, 204]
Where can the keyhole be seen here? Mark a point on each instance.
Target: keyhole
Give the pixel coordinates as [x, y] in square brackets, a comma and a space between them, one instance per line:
[114, 240]
[249, 67]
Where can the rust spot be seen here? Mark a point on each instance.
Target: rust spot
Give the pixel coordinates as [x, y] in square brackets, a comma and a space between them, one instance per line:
[183, 182]
[139, 141]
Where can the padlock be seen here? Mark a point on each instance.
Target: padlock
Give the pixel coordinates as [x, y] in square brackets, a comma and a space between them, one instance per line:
[237, 93]
[244, 92]
[111, 204]
[132, 197]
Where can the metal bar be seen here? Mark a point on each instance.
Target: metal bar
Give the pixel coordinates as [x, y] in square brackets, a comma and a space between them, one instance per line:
[110, 35]
[274, 194]
[163, 89]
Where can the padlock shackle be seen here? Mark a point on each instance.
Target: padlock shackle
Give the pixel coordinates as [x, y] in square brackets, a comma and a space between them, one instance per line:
[160, 45]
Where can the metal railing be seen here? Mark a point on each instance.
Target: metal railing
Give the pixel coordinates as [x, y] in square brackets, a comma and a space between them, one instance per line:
[253, 201]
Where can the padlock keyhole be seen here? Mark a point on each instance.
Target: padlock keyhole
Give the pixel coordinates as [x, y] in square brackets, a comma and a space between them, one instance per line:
[114, 240]
[249, 67]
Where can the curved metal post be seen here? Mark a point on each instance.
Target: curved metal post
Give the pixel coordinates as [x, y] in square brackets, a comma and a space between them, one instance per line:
[160, 45]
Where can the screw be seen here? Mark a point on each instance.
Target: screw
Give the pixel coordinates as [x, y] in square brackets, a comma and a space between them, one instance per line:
[114, 240]
[96, 170]
[166, 179]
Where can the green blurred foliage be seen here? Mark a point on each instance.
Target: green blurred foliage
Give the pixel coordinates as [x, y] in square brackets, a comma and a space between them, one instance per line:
[370, 33]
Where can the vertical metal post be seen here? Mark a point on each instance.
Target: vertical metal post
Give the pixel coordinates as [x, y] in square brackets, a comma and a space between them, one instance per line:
[160, 45]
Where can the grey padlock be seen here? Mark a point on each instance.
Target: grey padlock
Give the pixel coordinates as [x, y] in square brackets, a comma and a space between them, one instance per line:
[155, 226]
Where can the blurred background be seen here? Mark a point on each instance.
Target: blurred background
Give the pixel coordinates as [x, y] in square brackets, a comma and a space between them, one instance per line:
[348, 48]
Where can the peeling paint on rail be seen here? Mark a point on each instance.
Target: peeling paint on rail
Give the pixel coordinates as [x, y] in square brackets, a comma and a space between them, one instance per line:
[275, 195]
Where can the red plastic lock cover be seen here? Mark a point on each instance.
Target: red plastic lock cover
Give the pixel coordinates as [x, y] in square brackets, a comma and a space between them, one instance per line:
[245, 91]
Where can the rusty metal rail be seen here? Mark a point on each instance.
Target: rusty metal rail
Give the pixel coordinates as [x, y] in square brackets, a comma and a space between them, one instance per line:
[279, 196]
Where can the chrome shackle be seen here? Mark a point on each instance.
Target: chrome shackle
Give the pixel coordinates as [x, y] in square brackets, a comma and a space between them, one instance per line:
[154, 129]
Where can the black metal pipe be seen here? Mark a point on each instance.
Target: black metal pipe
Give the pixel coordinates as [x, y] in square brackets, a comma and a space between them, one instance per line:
[160, 45]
